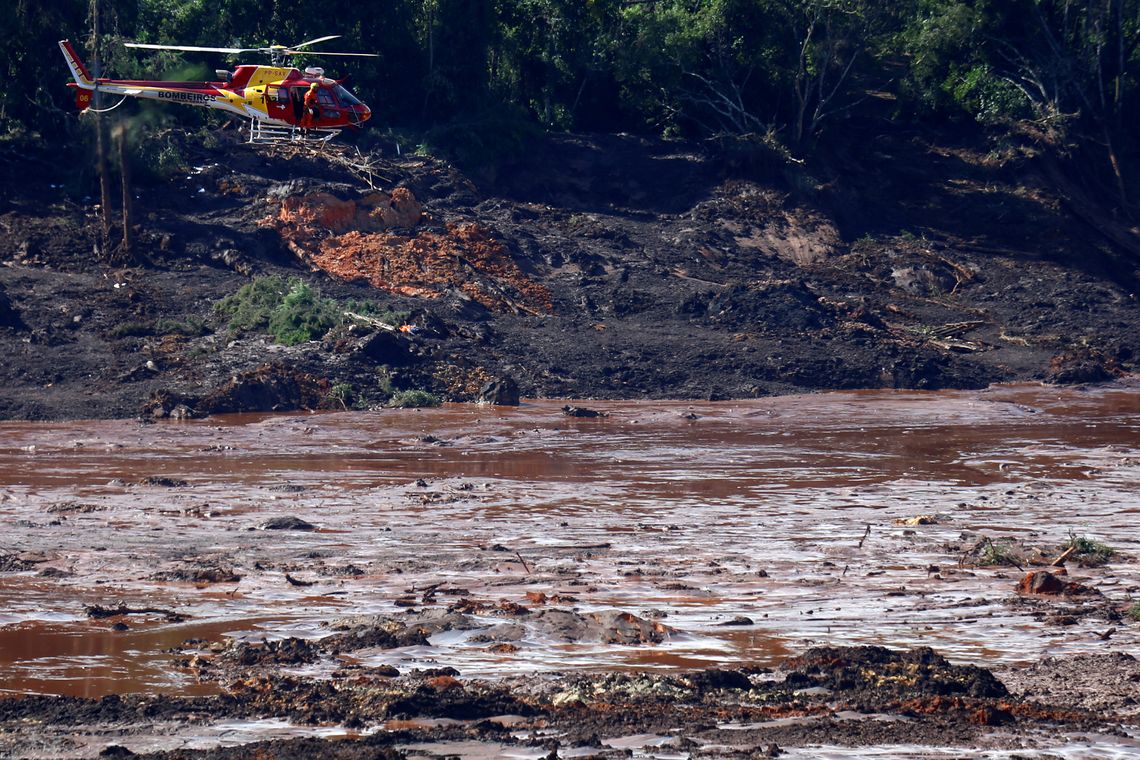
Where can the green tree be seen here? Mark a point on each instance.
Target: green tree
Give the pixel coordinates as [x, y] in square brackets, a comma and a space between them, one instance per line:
[34, 96]
[1067, 70]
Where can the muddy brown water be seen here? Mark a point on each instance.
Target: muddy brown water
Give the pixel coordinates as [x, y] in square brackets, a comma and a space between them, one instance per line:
[779, 510]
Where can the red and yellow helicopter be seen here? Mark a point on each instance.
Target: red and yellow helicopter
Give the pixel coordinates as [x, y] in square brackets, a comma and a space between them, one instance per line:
[271, 97]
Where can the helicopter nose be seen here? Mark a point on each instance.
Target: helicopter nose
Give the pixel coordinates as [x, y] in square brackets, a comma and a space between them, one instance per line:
[360, 114]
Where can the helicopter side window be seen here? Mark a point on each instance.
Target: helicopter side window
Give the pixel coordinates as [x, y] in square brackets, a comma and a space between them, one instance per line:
[325, 98]
[277, 95]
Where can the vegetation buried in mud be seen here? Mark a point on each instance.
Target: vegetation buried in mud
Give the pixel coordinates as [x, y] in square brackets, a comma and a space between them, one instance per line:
[1005, 551]
[998, 553]
[1088, 551]
[413, 398]
[289, 310]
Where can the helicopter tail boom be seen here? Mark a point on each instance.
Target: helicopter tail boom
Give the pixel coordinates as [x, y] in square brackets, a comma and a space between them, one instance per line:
[79, 72]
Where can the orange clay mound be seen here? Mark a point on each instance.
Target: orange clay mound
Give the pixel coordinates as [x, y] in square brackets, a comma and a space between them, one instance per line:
[353, 239]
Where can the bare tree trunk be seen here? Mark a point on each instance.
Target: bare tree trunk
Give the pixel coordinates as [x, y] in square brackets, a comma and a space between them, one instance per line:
[429, 5]
[125, 177]
[104, 183]
[1118, 174]
[101, 135]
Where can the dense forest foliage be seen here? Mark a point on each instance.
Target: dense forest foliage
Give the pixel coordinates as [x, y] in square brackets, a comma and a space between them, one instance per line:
[791, 70]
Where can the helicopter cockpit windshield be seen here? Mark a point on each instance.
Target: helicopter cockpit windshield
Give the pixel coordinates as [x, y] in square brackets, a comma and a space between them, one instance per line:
[345, 97]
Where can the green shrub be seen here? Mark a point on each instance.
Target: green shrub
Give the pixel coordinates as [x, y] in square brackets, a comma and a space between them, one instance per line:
[340, 395]
[250, 307]
[132, 330]
[1133, 612]
[413, 398]
[302, 316]
[289, 310]
[384, 380]
[192, 327]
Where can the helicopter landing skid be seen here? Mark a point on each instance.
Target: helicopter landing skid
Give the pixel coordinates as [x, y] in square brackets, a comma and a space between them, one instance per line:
[261, 133]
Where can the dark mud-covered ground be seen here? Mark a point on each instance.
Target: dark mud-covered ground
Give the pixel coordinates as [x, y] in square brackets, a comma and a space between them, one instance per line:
[587, 267]
[831, 698]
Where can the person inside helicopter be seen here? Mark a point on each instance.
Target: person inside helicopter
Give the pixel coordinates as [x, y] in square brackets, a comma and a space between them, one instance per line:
[312, 112]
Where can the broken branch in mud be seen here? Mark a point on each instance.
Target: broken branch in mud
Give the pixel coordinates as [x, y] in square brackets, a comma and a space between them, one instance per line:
[1060, 561]
[523, 561]
[372, 321]
[100, 612]
[866, 533]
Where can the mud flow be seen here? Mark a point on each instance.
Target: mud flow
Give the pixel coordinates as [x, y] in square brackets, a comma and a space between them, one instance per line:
[656, 537]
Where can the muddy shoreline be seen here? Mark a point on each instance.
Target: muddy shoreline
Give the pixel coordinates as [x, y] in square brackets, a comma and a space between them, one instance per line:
[605, 267]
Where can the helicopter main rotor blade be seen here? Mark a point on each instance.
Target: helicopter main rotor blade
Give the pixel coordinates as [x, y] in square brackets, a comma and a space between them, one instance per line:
[190, 48]
[314, 42]
[323, 53]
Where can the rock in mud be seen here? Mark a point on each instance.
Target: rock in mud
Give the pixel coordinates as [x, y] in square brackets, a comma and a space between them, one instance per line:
[741, 620]
[607, 627]
[269, 388]
[925, 280]
[163, 404]
[383, 347]
[580, 411]
[715, 678]
[878, 673]
[503, 391]
[367, 631]
[290, 651]
[163, 482]
[198, 574]
[11, 563]
[1082, 365]
[1044, 583]
[287, 523]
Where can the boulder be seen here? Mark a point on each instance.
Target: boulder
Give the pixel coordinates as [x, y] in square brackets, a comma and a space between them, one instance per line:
[501, 391]
[384, 347]
[269, 388]
[1081, 365]
[1045, 583]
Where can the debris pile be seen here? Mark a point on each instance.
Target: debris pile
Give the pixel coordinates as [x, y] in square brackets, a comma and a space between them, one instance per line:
[372, 238]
